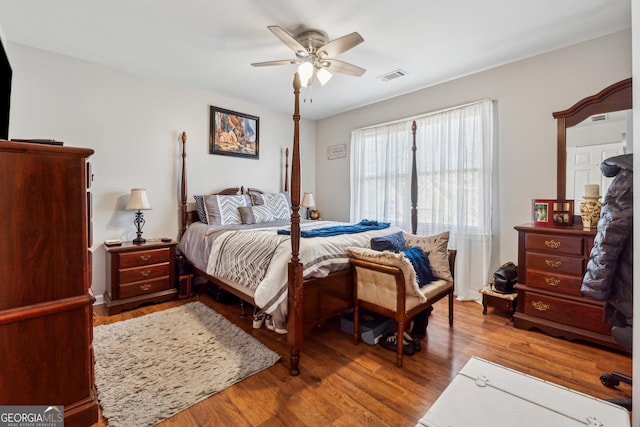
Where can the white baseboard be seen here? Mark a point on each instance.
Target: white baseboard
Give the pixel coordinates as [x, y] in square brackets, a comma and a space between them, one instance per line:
[99, 300]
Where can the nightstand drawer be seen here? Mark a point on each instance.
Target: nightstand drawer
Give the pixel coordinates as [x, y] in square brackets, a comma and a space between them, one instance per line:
[145, 287]
[571, 245]
[555, 263]
[143, 273]
[580, 315]
[138, 258]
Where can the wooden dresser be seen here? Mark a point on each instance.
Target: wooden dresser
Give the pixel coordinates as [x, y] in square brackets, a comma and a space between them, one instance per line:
[46, 316]
[140, 273]
[551, 265]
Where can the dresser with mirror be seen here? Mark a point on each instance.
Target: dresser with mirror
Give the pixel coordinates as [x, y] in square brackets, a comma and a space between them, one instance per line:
[552, 259]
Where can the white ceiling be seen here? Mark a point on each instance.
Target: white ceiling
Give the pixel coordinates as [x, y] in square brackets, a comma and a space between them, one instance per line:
[209, 45]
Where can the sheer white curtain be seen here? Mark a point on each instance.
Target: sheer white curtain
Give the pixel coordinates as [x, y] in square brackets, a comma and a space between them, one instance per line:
[455, 165]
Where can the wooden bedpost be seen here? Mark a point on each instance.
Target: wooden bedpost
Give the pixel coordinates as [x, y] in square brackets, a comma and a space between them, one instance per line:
[414, 183]
[295, 308]
[183, 186]
[286, 169]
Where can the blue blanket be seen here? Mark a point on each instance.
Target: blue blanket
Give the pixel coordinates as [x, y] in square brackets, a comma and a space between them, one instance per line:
[364, 225]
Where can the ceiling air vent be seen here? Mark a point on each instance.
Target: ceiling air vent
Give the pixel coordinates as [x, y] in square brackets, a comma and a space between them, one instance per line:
[393, 75]
[599, 117]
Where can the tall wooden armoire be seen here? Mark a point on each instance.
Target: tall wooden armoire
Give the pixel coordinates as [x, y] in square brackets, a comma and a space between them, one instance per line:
[46, 317]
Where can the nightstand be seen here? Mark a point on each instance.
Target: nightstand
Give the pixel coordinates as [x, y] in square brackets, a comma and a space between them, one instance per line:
[140, 274]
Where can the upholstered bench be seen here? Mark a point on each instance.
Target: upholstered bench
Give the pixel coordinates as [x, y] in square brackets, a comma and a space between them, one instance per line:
[385, 283]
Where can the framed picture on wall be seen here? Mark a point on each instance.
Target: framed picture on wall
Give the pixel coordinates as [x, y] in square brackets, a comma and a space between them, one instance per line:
[233, 134]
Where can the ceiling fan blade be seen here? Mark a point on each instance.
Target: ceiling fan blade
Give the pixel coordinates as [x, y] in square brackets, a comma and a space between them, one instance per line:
[338, 66]
[340, 45]
[287, 39]
[278, 62]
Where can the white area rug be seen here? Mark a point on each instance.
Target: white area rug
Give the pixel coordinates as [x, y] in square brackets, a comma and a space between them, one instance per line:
[152, 367]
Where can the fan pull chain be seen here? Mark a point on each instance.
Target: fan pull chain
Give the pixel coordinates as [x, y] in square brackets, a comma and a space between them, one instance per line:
[310, 89]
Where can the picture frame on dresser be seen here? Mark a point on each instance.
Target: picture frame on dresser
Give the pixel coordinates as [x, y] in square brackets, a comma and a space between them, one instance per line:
[552, 212]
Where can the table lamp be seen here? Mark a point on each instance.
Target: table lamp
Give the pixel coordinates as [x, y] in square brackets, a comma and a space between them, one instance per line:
[138, 201]
[308, 202]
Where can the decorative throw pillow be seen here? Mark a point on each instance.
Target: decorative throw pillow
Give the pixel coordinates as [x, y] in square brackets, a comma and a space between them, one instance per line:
[223, 209]
[262, 214]
[436, 249]
[420, 262]
[278, 205]
[393, 242]
[256, 198]
[202, 213]
[255, 214]
[246, 215]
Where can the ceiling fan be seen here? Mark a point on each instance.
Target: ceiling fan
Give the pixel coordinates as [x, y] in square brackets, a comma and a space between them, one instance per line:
[315, 55]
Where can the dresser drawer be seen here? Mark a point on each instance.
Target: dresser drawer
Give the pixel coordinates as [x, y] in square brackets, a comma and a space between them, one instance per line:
[138, 258]
[570, 245]
[144, 287]
[554, 263]
[143, 273]
[549, 281]
[580, 315]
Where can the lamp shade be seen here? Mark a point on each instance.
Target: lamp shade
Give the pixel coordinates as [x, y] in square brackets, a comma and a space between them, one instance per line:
[323, 75]
[138, 200]
[307, 200]
[305, 70]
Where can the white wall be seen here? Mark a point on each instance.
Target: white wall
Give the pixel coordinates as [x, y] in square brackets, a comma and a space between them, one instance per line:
[527, 91]
[133, 124]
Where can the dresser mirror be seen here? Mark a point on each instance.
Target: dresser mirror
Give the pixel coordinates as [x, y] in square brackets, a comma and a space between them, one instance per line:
[593, 129]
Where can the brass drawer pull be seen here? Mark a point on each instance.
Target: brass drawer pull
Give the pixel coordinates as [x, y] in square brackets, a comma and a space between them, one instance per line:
[540, 306]
[145, 273]
[553, 244]
[552, 281]
[145, 287]
[145, 257]
[553, 263]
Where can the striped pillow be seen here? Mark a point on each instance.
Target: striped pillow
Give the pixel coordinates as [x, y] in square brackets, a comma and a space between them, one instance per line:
[278, 205]
[262, 214]
[255, 214]
[202, 212]
[223, 209]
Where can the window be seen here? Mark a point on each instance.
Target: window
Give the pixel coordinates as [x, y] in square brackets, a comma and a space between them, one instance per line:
[454, 163]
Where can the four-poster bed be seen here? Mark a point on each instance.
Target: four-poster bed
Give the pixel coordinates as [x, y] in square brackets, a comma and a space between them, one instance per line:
[309, 299]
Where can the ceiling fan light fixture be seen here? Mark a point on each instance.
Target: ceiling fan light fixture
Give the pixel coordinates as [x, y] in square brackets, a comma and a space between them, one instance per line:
[315, 55]
[305, 70]
[323, 75]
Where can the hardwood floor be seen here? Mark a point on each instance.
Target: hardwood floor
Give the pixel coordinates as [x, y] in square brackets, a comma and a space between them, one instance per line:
[343, 384]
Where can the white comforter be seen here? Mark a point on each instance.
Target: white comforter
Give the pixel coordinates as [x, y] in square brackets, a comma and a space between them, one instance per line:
[319, 256]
